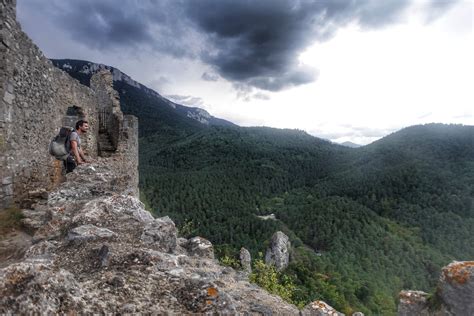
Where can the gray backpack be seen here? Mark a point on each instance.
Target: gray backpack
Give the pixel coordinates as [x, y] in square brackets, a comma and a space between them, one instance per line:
[60, 145]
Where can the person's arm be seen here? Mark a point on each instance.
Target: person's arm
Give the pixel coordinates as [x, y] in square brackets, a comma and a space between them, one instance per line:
[81, 153]
[75, 152]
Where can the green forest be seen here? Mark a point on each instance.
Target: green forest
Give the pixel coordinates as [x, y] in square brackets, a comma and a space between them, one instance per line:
[364, 223]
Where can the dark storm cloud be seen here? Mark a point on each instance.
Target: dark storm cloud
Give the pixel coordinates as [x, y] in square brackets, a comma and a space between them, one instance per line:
[258, 42]
[98, 24]
[106, 25]
[253, 43]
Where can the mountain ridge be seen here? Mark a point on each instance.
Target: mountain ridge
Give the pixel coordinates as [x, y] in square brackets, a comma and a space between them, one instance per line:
[83, 70]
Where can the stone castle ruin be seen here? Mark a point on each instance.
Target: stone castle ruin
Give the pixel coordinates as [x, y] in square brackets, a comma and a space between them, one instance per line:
[36, 99]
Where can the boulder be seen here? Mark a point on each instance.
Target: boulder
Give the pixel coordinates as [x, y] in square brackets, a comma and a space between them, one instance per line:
[161, 233]
[319, 308]
[278, 254]
[456, 287]
[90, 233]
[413, 303]
[113, 207]
[201, 247]
[245, 260]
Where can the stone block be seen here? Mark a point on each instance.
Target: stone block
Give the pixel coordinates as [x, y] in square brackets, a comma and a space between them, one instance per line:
[161, 233]
[8, 189]
[7, 180]
[201, 247]
[8, 97]
[90, 233]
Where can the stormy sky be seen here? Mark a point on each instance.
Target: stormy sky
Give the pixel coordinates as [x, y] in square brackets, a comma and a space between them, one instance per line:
[340, 69]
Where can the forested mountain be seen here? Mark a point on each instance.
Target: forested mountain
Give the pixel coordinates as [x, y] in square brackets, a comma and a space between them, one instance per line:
[156, 113]
[367, 222]
[364, 222]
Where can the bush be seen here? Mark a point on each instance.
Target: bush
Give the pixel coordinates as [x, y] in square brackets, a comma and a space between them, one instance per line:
[270, 279]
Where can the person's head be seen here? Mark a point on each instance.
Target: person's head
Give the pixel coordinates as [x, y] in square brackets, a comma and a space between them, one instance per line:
[82, 126]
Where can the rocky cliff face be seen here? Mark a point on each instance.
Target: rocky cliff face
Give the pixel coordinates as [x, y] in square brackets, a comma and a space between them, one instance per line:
[278, 254]
[96, 250]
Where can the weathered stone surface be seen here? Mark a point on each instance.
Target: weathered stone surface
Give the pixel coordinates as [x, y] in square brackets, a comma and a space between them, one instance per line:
[278, 253]
[51, 230]
[90, 233]
[104, 256]
[32, 288]
[201, 247]
[319, 308]
[34, 219]
[358, 314]
[12, 246]
[126, 273]
[113, 208]
[161, 233]
[245, 260]
[413, 303]
[456, 287]
[44, 249]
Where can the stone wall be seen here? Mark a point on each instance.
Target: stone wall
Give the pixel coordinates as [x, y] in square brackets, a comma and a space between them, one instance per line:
[125, 160]
[110, 114]
[36, 99]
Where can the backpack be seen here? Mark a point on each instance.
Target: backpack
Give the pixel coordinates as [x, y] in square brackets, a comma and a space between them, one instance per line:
[60, 146]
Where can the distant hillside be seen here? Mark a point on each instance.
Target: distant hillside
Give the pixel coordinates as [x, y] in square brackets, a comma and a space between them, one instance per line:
[377, 219]
[350, 144]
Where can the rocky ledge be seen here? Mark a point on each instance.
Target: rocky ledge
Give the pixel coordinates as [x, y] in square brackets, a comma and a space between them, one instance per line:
[95, 249]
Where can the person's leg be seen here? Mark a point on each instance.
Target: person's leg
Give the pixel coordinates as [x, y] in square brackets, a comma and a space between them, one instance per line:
[70, 164]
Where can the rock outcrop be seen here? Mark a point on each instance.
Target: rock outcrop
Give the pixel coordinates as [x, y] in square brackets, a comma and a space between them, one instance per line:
[454, 294]
[245, 260]
[96, 250]
[278, 253]
[413, 303]
[319, 308]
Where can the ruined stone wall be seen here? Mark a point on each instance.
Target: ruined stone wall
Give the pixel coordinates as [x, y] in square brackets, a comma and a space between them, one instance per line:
[109, 104]
[36, 99]
[126, 156]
